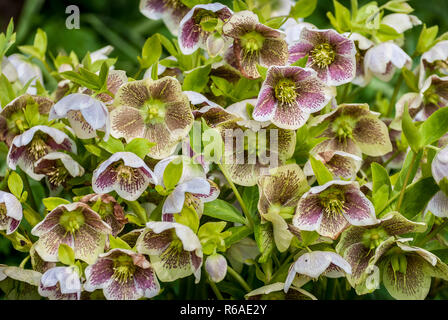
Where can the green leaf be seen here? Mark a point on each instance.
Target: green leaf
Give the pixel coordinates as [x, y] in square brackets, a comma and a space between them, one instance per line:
[52, 202]
[151, 52]
[435, 126]
[426, 39]
[250, 197]
[139, 146]
[238, 233]
[112, 145]
[262, 71]
[15, 184]
[308, 237]
[321, 172]
[172, 174]
[40, 42]
[6, 91]
[381, 186]
[104, 72]
[417, 196]
[411, 79]
[117, 243]
[411, 132]
[197, 79]
[66, 255]
[303, 8]
[386, 33]
[404, 170]
[223, 210]
[301, 62]
[239, 5]
[399, 6]
[264, 236]
[188, 217]
[342, 16]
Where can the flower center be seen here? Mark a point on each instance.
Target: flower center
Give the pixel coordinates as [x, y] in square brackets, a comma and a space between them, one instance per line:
[333, 200]
[124, 269]
[343, 128]
[323, 55]
[431, 96]
[153, 111]
[57, 175]
[3, 217]
[372, 238]
[126, 174]
[285, 91]
[72, 221]
[38, 147]
[252, 42]
[284, 212]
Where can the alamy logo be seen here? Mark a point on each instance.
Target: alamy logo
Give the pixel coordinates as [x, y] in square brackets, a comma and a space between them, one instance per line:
[72, 21]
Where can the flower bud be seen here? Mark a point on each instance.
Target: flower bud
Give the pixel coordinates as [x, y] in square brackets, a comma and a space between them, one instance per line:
[216, 266]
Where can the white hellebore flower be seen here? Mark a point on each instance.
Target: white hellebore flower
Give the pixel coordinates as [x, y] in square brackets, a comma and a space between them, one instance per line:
[60, 283]
[313, 264]
[382, 59]
[125, 173]
[26, 71]
[192, 180]
[216, 267]
[401, 22]
[85, 114]
[10, 212]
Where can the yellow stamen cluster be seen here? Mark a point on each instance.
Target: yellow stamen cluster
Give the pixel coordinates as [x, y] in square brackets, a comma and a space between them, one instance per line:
[57, 175]
[72, 221]
[286, 91]
[124, 269]
[38, 148]
[333, 201]
[323, 55]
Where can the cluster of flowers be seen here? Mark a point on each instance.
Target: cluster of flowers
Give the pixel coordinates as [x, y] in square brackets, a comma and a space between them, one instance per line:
[357, 193]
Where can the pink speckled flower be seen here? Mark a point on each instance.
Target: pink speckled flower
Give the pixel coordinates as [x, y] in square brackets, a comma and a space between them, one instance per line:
[122, 275]
[332, 55]
[289, 95]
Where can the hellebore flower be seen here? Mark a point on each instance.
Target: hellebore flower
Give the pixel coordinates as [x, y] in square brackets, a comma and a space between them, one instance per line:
[354, 129]
[60, 283]
[170, 11]
[10, 212]
[34, 144]
[192, 181]
[155, 110]
[109, 209]
[12, 117]
[341, 164]
[123, 275]
[125, 173]
[27, 72]
[316, 263]
[292, 29]
[289, 95]
[382, 59]
[432, 95]
[255, 43]
[275, 292]
[9, 70]
[198, 28]
[435, 60]
[115, 79]
[362, 45]
[280, 192]
[401, 22]
[362, 245]
[75, 225]
[438, 205]
[329, 209]
[174, 250]
[39, 264]
[330, 54]
[58, 167]
[244, 109]
[407, 271]
[84, 113]
[216, 267]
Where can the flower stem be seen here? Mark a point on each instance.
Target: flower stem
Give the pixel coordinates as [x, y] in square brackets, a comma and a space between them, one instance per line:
[403, 189]
[394, 95]
[215, 290]
[239, 279]
[24, 261]
[237, 195]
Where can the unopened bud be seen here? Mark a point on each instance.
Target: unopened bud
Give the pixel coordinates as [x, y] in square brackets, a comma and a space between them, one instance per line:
[216, 266]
